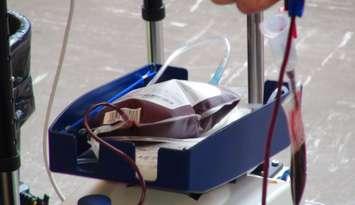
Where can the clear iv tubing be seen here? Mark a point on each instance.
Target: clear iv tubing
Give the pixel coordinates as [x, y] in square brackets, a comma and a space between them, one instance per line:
[193, 44]
[275, 29]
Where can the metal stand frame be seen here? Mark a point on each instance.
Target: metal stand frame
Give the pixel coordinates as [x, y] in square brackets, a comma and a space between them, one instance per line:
[155, 48]
[153, 12]
[9, 155]
[255, 59]
[155, 42]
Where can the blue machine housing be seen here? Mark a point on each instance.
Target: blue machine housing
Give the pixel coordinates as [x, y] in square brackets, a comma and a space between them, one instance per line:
[218, 159]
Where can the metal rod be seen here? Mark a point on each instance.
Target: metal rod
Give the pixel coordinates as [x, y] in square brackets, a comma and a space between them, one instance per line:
[153, 12]
[9, 156]
[155, 42]
[255, 59]
[9, 194]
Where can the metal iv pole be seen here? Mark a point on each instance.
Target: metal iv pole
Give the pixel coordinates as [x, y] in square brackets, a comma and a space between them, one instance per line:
[153, 12]
[255, 59]
[9, 155]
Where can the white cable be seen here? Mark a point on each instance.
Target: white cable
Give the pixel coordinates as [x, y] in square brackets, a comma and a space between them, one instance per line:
[51, 100]
[192, 44]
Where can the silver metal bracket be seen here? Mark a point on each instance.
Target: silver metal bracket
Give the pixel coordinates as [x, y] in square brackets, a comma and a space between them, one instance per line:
[255, 59]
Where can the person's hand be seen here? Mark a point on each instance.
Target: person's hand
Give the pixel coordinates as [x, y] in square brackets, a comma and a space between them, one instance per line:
[249, 6]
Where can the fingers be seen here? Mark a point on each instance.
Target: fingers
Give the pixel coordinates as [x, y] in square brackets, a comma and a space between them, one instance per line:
[224, 1]
[248, 6]
[251, 6]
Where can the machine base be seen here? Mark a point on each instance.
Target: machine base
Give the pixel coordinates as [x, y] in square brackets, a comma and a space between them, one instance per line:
[246, 190]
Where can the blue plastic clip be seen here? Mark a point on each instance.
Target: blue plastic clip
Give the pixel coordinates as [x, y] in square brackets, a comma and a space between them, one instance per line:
[285, 175]
[295, 7]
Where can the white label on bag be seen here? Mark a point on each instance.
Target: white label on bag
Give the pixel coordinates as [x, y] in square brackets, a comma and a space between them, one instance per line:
[173, 94]
[112, 117]
[167, 94]
[133, 114]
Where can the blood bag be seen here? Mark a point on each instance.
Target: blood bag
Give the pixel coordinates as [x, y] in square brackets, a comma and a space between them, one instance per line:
[293, 112]
[175, 109]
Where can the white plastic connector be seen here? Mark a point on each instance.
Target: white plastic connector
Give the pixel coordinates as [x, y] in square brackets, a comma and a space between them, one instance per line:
[275, 29]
